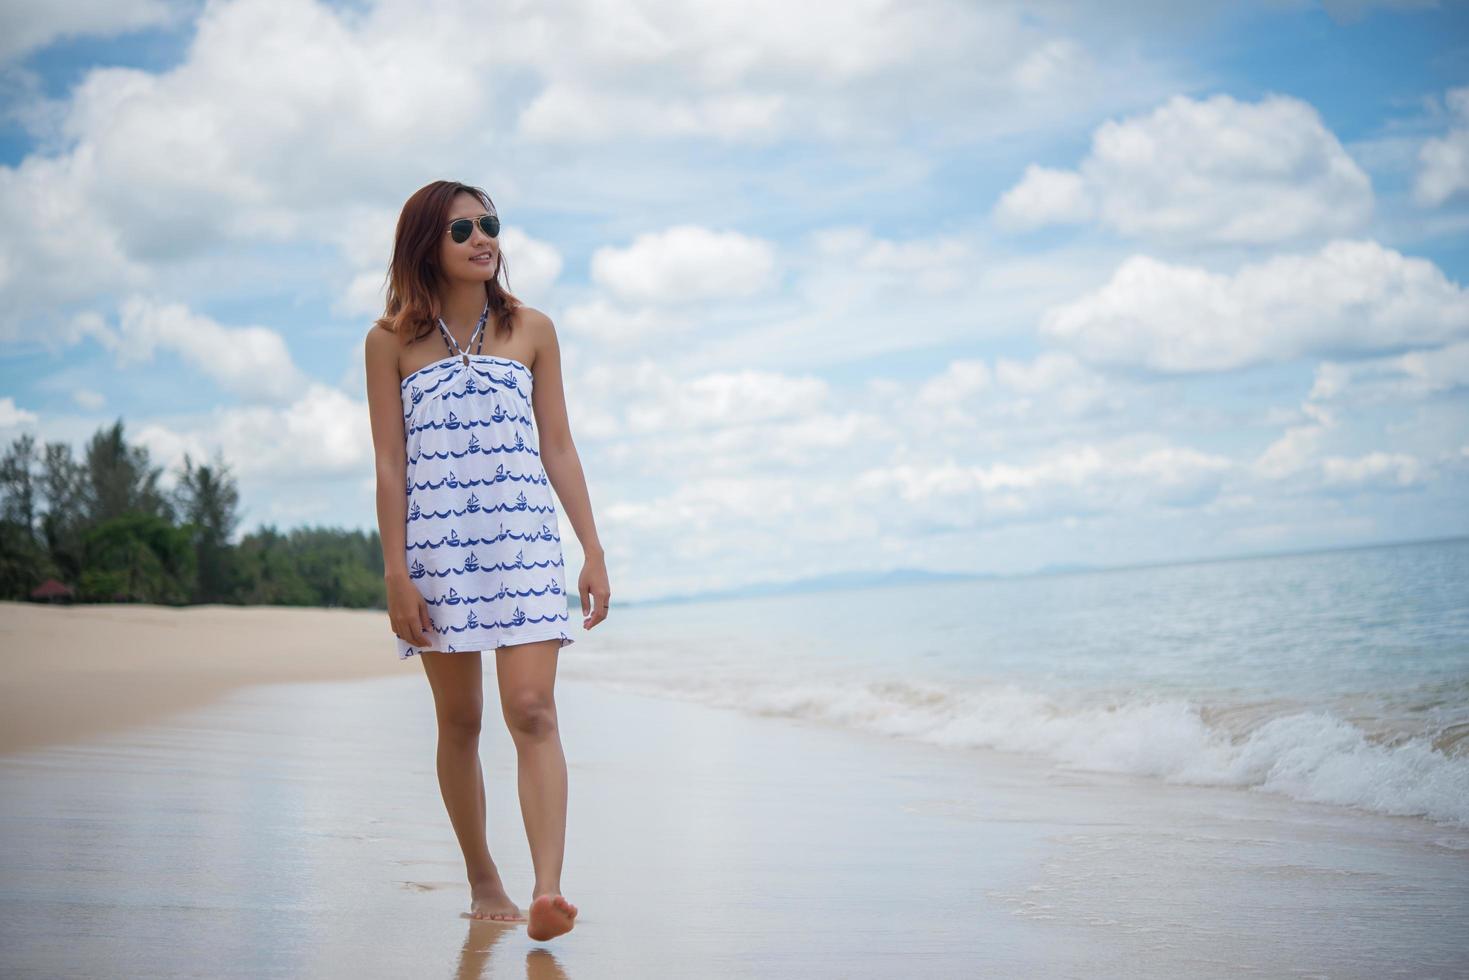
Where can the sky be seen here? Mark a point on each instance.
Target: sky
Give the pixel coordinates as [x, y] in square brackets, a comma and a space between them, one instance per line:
[964, 287]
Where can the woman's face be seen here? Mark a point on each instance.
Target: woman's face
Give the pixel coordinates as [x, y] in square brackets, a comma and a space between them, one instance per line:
[477, 257]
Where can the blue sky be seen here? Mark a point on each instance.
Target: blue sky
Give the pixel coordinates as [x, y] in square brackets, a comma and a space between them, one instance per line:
[967, 287]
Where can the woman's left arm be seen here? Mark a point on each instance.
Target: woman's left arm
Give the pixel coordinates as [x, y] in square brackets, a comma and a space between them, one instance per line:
[563, 465]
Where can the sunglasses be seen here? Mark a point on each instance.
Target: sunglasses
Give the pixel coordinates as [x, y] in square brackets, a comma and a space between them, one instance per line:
[461, 229]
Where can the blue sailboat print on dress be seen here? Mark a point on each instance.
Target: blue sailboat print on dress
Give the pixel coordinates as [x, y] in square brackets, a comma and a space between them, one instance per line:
[493, 553]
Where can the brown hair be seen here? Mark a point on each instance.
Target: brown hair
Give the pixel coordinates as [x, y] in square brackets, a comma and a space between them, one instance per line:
[414, 274]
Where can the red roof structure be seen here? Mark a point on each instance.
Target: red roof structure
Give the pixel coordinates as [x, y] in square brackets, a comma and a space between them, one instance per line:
[51, 591]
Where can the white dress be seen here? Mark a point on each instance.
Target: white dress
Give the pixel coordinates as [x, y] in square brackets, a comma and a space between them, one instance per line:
[483, 544]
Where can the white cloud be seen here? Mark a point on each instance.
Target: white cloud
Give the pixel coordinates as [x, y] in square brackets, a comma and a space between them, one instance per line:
[1300, 460]
[323, 433]
[293, 462]
[569, 112]
[1045, 196]
[1057, 63]
[893, 508]
[930, 265]
[209, 154]
[1053, 385]
[1216, 170]
[1068, 480]
[726, 398]
[13, 416]
[44, 264]
[767, 70]
[26, 25]
[656, 422]
[1350, 297]
[151, 163]
[623, 328]
[690, 280]
[1404, 377]
[847, 293]
[1443, 161]
[655, 419]
[365, 295]
[1297, 448]
[684, 264]
[1375, 470]
[250, 361]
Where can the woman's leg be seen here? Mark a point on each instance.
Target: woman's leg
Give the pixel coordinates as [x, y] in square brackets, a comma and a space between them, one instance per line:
[527, 679]
[457, 682]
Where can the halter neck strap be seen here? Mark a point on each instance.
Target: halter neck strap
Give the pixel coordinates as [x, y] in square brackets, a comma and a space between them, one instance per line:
[478, 334]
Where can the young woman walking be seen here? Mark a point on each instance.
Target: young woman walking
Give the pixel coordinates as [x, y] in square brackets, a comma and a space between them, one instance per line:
[470, 536]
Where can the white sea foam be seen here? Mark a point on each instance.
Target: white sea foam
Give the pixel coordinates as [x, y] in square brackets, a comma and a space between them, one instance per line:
[1308, 755]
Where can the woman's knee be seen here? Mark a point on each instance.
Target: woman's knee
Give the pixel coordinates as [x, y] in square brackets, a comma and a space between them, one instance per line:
[530, 713]
[461, 719]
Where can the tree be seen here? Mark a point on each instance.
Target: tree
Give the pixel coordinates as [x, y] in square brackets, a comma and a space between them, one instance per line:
[208, 500]
[63, 484]
[104, 525]
[18, 482]
[137, 558]
[269, 573]
[121, 479]
[23, 561]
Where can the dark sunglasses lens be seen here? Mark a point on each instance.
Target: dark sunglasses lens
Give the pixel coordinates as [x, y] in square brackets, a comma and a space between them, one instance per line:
[460, 230]
[491, 224]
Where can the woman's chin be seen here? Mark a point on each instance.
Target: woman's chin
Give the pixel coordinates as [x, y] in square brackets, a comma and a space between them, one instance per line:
[476, 275]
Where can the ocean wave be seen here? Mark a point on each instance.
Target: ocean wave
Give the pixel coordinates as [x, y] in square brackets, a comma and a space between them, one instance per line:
[1304, 752]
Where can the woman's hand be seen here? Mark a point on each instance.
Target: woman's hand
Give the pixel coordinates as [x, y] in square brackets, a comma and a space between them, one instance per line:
[593, 582]
[408, 611]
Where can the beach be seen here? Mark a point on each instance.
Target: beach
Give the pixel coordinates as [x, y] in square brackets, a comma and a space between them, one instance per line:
[76, 671]
[251, 792]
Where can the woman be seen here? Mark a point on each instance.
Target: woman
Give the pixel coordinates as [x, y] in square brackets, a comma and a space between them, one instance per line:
[456, 367]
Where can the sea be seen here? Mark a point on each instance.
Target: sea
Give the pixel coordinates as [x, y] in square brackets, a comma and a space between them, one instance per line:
[1336, 677]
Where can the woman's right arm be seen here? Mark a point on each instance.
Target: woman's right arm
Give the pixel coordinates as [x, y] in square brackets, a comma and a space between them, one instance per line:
[407, 610]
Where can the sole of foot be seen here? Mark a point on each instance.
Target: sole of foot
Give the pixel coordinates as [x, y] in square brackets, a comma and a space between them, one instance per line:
[550, 916]
[505, 918]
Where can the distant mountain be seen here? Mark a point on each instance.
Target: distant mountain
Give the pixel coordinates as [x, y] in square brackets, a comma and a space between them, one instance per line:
[909, 576]
[818, 583]
[1065, 568]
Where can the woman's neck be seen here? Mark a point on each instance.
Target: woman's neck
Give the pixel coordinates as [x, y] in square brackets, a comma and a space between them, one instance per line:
[462, 304]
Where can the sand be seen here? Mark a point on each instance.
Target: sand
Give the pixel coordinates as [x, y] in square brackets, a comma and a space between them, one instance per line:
[249, 798]
[77, 671]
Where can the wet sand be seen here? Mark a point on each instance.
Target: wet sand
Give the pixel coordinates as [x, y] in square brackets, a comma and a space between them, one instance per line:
[294, 829]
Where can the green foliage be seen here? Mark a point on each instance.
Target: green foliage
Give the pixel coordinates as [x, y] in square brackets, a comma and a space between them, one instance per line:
[19, 476]
[208, 500]
[119, 479]
[63, 484]
[105, 526]
[24, 563]
[312, 567]
[137, 558]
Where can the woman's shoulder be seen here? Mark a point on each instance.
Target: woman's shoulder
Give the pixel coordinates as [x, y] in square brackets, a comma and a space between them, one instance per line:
[538, 328]
[531, 318]
[539, 332]
[381, 348]
[380, 336]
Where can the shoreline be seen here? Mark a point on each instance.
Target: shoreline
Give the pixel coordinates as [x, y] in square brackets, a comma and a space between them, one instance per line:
[79, 671]
[222, 809]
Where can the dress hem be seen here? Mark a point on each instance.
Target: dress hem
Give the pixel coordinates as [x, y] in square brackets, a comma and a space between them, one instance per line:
[533, 636]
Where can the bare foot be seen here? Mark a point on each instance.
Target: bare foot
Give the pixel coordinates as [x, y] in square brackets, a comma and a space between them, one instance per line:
[550, 916]
[489, 901]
